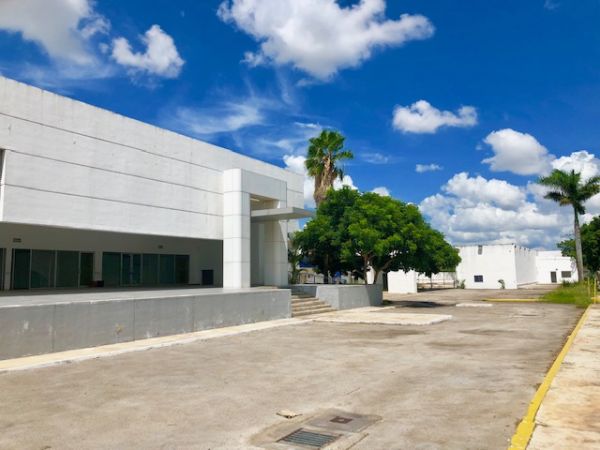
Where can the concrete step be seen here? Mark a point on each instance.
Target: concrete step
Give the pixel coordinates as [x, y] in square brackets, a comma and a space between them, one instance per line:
[299, 301]
[308, 312]
[311, 306]
[301, 295]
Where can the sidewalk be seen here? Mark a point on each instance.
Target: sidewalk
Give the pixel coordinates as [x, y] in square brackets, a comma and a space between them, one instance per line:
[569, 417]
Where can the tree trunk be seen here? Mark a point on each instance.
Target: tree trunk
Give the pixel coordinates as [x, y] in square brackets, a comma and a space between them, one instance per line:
[578, 250]
[375, 277]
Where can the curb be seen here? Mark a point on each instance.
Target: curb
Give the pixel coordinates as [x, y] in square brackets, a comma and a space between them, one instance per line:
[512, 300]
[522, 435]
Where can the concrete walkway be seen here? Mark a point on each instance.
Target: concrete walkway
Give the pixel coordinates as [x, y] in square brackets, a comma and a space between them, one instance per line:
[570, 413]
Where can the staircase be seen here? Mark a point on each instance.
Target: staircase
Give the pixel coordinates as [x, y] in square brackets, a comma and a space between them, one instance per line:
[305, 304]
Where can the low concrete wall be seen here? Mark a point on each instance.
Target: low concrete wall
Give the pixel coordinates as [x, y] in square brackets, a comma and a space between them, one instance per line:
[38, 329]
[341, 296]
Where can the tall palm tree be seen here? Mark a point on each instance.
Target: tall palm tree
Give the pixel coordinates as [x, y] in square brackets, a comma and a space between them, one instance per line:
[567, 188]
[324, 153]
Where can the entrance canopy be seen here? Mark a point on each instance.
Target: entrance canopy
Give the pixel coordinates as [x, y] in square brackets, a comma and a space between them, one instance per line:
[277, 214]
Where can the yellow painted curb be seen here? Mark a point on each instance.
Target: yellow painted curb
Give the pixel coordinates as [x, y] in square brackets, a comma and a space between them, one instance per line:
[512, 300]
[525, 428]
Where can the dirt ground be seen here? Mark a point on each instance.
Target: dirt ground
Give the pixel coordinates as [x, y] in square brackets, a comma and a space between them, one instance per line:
[459, 384]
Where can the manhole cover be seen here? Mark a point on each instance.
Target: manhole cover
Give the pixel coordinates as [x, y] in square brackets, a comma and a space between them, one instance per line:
[308, 438]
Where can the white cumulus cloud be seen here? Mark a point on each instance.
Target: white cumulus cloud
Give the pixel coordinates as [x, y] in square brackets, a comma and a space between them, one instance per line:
[60, 27]
[422, 168]
[476, 210]
[224, 118]
[517, 152]
[382, 190]
[583, 162]
[320, 37]
[159, 58]
[422, 117]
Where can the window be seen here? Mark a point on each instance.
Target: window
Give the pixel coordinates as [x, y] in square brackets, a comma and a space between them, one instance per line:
[167, 269]
[478, 278]
[86, 269]
[480, 249]
[111, 269]
[565, 274]
[182, 269]
[43, 264]
[67, 269]
[150, 269]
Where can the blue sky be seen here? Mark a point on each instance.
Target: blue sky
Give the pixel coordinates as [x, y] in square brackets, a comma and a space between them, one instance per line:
[438, 84]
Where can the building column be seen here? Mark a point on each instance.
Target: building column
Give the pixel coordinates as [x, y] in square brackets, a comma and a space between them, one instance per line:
[275, 252]
[6, 279]
[236, 231]
[97, 266]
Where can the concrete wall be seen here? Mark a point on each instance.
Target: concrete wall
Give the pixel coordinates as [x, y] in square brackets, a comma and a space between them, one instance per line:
[402, 282]
[204, 254]
[32, 330]
[525, 264]
[495, 262]
[341, 296]
[553, 261]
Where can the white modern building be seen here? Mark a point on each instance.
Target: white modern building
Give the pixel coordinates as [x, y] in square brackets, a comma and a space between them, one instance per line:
[89, 197]
[552, 268]
[483, 266]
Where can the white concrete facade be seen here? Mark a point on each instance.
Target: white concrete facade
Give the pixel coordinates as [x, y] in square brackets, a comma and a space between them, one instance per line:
[552, 268]
[76, 177]
[483, 266]
[402, 282]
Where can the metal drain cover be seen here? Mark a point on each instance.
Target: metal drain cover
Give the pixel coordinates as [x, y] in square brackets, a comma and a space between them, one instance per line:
[308, 438]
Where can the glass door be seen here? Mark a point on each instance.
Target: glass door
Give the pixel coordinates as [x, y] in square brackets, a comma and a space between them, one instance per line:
[86, 269]
[131, 269]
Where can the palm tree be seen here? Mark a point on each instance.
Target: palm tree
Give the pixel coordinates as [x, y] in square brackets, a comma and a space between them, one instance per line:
[324, 152]
[567, 188]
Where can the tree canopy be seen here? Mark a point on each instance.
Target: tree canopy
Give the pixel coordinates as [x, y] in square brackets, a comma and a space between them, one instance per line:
[590, 239]
[354, 231]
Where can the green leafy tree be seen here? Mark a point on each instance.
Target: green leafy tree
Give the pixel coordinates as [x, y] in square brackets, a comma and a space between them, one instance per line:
[590, 243]
[567, 188]
[353, 231]
[320, 240]
[325, 152]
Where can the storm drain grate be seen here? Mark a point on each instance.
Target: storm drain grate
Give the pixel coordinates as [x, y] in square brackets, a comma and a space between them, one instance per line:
[309, 438]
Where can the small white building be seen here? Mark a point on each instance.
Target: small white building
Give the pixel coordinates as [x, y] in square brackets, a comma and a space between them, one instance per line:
[89, 197]
[552, 267]
[483, 266]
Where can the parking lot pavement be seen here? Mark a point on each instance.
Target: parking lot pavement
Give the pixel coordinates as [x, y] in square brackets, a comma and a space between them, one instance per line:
[460, 384]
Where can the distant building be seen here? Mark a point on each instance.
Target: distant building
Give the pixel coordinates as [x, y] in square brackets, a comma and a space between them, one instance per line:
[483, 266]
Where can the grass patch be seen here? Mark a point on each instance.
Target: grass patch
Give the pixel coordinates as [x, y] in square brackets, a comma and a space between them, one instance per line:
[570, 294]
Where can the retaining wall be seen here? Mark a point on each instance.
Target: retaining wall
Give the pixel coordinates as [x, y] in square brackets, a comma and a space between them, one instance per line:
[37, 329]
[341, 296]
